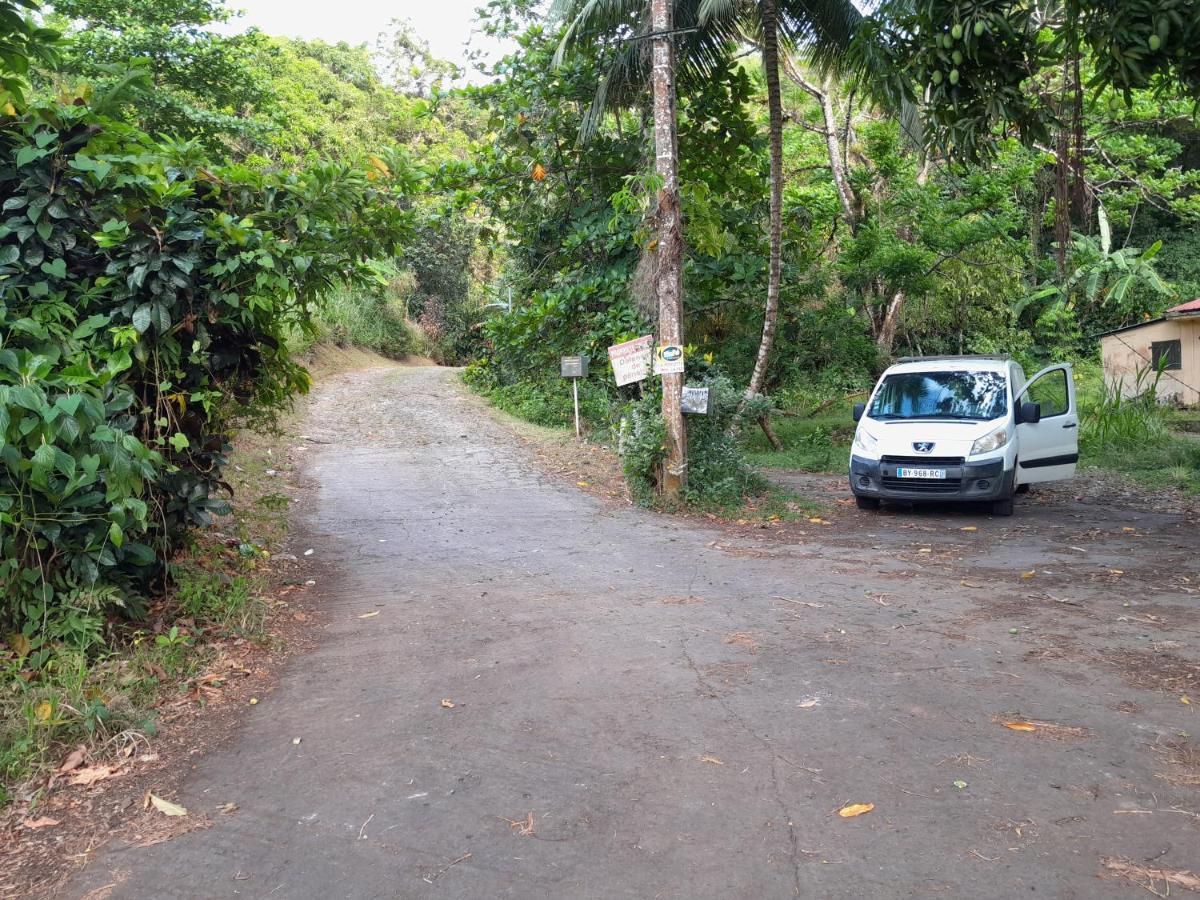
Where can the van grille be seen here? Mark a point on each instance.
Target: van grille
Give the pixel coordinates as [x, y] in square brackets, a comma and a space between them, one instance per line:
[923, 462]
[923, 485]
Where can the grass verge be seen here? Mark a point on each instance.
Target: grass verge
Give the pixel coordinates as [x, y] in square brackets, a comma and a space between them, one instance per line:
[99, 684]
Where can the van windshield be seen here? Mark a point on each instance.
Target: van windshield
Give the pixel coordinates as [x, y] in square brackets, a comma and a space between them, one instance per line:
[975, 396]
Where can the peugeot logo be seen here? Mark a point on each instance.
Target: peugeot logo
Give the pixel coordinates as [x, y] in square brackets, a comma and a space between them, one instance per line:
[923, 446]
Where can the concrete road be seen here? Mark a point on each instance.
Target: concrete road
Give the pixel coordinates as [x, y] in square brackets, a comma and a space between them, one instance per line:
[647, 708]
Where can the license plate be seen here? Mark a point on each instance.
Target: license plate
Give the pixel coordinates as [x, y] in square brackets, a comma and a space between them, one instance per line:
[920, 473]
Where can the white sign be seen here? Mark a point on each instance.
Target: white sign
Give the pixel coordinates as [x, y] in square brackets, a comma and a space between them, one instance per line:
[668, 360]
[631, 360]
[695, 400]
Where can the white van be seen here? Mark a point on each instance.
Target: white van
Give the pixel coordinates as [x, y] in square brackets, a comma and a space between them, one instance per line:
[963, 428]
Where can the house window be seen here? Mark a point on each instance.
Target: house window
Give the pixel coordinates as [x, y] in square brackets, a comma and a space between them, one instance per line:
[1166, 355]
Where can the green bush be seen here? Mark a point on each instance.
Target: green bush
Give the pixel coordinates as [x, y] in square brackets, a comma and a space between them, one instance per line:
[145, 296]
[546, 402]
[718, 475]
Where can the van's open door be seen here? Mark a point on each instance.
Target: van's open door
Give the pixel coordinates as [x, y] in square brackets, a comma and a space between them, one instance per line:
[1048, 450]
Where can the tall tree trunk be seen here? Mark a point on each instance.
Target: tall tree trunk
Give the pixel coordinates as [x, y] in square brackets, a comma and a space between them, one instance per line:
[885, 336]
[668, 273]
[770, 55]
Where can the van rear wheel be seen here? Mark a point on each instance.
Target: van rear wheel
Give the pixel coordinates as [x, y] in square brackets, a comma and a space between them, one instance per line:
[1002, 507]
[866, 502]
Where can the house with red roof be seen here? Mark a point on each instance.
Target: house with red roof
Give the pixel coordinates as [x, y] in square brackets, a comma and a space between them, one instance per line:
[1171, 344]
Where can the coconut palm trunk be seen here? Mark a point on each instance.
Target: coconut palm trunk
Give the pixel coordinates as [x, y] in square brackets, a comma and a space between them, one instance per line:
[769, 17]
[668, 272]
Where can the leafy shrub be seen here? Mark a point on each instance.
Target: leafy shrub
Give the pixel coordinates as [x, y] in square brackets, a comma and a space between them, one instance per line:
[718, 475]
[145, 296]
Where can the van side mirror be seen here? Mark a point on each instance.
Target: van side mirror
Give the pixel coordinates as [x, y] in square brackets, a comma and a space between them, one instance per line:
[1029, 412]
[859, 409]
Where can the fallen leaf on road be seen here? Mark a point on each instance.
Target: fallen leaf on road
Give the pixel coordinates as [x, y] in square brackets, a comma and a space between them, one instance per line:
[369, 615]
[855, 809]
[961, 785]
[1030, 574]
[711, 759]
[447, 704]
[808, 704]
[89, 775]
[1117, 572]
[969, 584]
[166, 807]
[925, 550]
[1129, 530]
[253, 701]
[73, 761]
[1185, 700]
[1020, 726]
[582, 484]
[43, 822]
[817, 520]
[968, 528]
[227, 808]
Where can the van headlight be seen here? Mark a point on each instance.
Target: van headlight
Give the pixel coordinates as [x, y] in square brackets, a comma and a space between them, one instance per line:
[865, 441]
[992, 441]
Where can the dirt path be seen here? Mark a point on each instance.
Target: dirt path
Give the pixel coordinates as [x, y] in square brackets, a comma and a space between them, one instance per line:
[643, 707]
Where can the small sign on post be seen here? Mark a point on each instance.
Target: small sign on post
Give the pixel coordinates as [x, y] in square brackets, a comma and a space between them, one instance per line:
[631, 359]
[575, 367]
[695, 400]
[668, 360]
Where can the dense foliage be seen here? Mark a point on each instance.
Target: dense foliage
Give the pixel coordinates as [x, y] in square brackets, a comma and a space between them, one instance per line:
[145, 299]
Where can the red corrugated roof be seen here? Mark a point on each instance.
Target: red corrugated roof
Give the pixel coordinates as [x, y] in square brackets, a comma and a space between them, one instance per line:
[1190, 306]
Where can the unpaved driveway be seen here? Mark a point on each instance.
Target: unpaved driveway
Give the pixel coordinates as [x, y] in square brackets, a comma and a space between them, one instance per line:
[643, 707]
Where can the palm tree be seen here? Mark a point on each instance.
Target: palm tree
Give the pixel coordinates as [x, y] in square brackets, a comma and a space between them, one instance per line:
[825, 28]
[707, 30]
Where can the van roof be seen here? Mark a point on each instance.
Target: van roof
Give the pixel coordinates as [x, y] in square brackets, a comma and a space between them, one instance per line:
[951, 364]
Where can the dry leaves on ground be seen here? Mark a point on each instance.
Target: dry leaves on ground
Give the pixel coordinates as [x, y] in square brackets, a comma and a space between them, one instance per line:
[1048, 729]
[89, 775]
[166, 807]
[1150, 877]
[850, 810]
[41, 822]
[522, 827]
[742, 639]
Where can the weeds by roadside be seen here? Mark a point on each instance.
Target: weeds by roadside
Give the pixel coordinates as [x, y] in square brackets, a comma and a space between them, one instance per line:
[89, 680]
[1133, 435]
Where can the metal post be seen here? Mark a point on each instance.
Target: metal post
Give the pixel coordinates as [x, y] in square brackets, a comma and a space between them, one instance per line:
[575, 394]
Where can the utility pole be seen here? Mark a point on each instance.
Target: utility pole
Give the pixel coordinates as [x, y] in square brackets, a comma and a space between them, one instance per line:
[668, 273]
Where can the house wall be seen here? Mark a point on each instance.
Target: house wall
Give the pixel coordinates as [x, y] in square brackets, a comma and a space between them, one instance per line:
[1127, 352]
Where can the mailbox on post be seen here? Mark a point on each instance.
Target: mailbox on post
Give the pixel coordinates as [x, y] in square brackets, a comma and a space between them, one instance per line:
[575, 367]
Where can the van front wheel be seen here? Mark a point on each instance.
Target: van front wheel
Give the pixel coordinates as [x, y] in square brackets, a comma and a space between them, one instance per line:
[867, 502]
[1002, 507]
